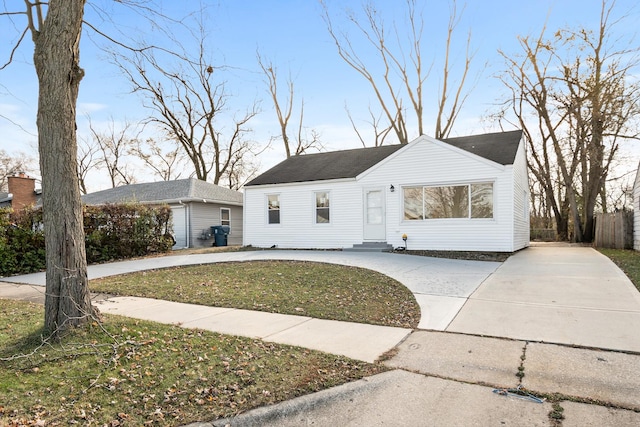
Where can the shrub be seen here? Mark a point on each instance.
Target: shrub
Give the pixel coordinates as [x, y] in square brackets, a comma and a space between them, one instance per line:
[111, 232]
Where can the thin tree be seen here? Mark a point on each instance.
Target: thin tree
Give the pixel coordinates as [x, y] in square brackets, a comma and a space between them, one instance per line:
[165, 162]
[400, 85]
[298, 143]
[87, 162]
[115, 144]
[10, 164]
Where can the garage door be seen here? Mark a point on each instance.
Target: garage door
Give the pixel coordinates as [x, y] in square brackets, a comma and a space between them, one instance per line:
[179, 216]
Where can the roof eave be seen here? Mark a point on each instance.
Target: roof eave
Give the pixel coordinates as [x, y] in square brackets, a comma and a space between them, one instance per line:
[289, 184]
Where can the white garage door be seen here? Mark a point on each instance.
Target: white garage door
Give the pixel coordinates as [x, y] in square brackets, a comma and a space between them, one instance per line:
[179, 216]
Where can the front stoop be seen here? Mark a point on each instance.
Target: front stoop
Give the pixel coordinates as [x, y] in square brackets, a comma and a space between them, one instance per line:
[370, 247]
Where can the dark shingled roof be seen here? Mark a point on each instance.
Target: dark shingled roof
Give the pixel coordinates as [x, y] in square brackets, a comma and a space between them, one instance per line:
[323, 166]
[498, 147]
[185, 190]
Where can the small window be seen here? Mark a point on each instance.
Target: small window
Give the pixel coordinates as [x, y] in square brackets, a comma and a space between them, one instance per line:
[225, 216]
[322, 207]
[273, 208]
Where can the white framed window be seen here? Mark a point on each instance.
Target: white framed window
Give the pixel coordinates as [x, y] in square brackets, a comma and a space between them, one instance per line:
[225, 216]
[322, 208]
[273, 209]
[471, 201]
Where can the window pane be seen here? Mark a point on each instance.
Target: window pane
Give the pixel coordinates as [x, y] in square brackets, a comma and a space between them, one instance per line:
[274, 208]
[274, 216]
[447, 202]
[374, 207]
[225, 217]
[481, 200]
[322, 207]
[322, 215]
[413, 203]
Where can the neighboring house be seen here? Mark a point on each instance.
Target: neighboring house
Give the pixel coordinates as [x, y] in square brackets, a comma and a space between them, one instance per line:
[22, 192]
[196, 206]
[460, 194]
[636, 211]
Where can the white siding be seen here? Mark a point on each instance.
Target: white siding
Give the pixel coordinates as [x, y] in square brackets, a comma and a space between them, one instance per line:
[423, 162]
[636, 212]
[297, 228]
[521, 216]
[427, 162]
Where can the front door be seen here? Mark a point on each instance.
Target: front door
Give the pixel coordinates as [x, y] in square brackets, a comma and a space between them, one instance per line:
[374, 215]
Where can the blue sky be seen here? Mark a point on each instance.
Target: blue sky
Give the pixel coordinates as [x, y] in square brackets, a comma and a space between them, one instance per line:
[292, 34]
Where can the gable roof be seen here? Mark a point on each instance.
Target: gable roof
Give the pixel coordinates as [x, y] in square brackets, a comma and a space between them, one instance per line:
[500, 147]
[181, 190]
[324, 166]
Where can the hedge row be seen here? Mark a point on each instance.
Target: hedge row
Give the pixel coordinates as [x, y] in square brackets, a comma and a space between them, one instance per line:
[112, 232]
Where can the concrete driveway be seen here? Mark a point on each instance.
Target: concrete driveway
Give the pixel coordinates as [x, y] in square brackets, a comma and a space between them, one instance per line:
[567, 295]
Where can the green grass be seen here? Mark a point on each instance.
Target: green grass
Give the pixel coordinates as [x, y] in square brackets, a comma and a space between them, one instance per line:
[628, 261]
[318, 290]
[124, 372]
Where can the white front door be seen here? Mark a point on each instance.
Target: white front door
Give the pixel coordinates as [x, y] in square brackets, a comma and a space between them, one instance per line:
[374, 215]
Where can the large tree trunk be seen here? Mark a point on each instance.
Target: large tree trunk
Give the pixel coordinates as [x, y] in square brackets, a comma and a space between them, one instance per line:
[56, 59]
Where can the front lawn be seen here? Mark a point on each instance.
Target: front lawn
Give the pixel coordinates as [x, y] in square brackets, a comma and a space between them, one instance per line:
[126, 372]
[323, 291]
[628, 260]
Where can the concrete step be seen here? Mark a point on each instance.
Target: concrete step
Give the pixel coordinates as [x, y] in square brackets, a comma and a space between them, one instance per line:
[370, 247]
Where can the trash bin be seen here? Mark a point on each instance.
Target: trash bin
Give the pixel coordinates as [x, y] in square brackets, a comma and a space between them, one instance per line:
[220, 233]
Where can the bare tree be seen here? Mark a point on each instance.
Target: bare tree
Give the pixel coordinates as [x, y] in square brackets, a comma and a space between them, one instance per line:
[578, 87]
[87, 162]
[115, 145]
[401, 83]
[379, 134]
[165, 163]
[300, 142]
[10, 164]
[190, 107]
[55, 29]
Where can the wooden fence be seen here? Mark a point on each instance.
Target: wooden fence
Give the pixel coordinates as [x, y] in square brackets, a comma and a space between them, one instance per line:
[614, 230]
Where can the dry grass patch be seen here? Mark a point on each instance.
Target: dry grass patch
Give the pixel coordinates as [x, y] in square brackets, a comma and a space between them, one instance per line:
[125, 372]
[323, 291]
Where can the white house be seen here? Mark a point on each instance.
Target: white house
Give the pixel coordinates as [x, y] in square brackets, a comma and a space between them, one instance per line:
[196, 206]
[459, 194]
[636, 211]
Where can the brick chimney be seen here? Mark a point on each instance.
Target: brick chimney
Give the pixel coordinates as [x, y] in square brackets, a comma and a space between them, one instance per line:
[23, 189]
